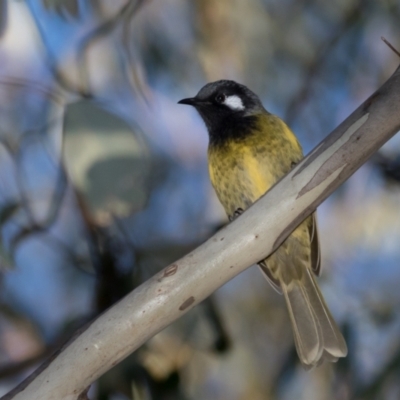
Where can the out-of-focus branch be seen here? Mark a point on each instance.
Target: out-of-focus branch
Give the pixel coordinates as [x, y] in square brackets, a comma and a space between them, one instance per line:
[312, 70]
[124, 17]
[76, 80]
[253, 236]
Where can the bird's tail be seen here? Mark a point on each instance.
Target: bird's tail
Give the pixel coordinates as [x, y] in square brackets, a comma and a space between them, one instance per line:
[316, 335]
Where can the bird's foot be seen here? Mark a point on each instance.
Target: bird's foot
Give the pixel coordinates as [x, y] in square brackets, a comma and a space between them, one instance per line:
[237, 212]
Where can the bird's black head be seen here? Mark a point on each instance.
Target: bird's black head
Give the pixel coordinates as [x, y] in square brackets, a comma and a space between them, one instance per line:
[226, 107]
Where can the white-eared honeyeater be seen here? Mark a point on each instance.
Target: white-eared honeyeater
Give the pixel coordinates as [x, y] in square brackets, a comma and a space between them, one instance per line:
[249, 150]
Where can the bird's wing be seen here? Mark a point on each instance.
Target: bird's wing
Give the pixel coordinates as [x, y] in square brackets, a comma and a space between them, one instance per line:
[274, 282]
[315, 247]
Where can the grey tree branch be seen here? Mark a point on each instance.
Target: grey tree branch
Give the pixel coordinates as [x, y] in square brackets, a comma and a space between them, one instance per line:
[250, 238]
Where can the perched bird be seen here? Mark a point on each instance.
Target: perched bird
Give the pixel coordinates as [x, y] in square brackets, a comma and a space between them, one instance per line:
[249, 150]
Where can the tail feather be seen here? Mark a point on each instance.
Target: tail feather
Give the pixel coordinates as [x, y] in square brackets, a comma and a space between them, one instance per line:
[316, 334]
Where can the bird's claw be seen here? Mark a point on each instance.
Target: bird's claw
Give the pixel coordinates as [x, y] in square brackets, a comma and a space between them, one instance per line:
[237, 212]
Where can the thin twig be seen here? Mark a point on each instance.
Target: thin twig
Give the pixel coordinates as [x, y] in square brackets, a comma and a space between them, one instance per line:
[391, 47]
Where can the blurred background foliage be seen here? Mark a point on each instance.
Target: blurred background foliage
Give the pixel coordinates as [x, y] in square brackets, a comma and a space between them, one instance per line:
[103, 181]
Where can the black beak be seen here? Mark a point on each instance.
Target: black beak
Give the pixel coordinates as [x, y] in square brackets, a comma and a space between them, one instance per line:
[192, 101]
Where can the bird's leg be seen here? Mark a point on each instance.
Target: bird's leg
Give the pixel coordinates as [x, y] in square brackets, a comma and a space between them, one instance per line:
[237, 212]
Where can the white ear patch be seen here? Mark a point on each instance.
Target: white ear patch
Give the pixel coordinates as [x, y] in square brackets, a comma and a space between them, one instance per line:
[234, 102]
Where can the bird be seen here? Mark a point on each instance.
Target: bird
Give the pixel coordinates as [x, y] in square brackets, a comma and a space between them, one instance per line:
[249, 150]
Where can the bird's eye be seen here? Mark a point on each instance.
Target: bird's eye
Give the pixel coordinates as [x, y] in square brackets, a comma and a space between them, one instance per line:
[220, 98]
